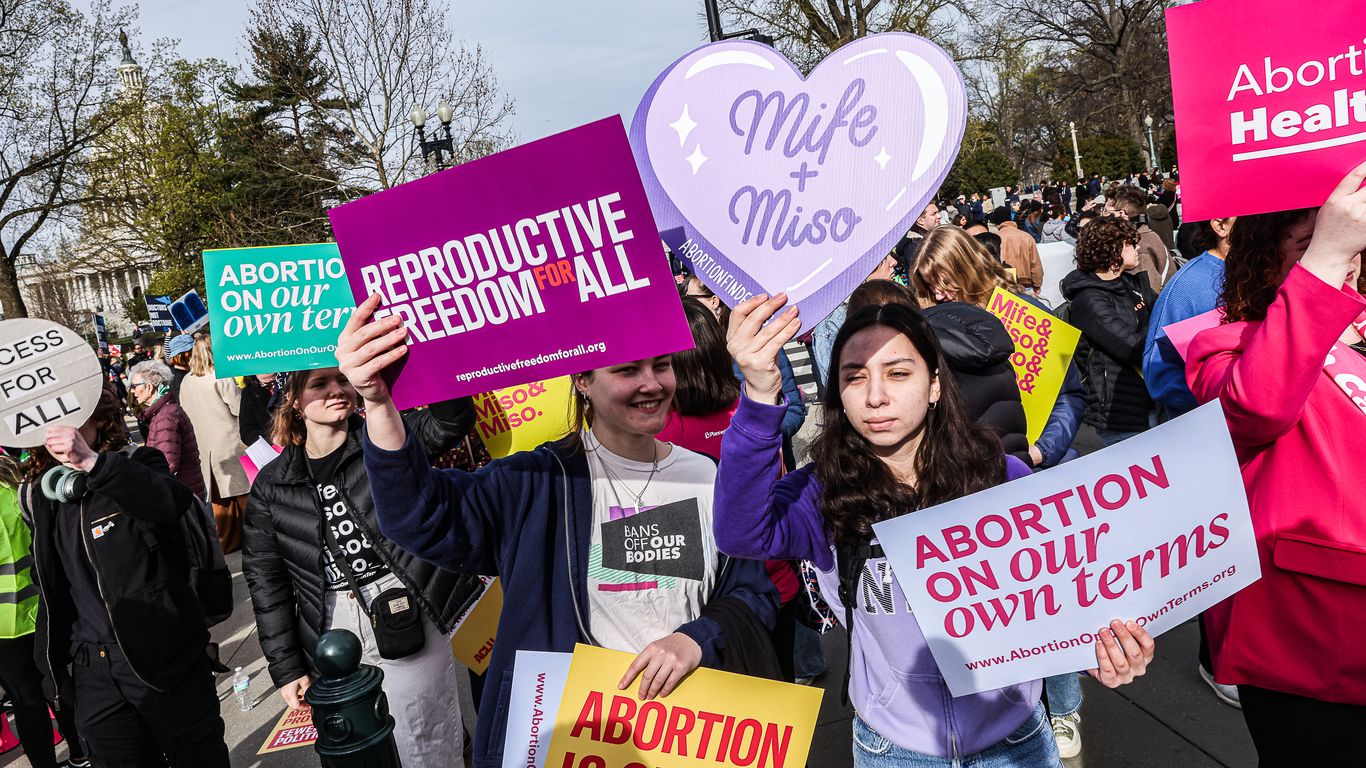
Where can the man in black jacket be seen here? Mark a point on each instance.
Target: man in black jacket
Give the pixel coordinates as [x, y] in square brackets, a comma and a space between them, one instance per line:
[117, 609]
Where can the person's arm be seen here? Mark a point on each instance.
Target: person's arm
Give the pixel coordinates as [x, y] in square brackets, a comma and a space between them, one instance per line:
[163, 436]
[1164, 371]
[757, 515]
[1264, 382]
[272, 593]
[1036, 267]
[746, 581]
[795, 415]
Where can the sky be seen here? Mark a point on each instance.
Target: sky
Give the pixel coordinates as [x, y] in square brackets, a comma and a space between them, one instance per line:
[565, 63]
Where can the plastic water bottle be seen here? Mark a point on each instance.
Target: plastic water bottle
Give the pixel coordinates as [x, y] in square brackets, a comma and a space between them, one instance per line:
[240, 684]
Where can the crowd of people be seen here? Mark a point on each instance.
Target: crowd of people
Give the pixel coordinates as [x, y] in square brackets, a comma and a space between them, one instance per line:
[368, 510]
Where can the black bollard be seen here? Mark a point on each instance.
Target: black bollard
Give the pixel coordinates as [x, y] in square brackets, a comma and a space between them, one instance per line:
[350, 710]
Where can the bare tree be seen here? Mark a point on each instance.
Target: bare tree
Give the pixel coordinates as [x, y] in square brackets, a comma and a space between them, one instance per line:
[1109, 56]
[56, 73]
[806, 31]
[389, 56]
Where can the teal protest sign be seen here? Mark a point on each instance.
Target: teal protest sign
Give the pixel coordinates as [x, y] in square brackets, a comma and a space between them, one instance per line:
[277, 308]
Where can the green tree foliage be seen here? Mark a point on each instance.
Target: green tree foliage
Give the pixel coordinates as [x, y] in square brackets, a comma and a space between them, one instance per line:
[1110, 156]
[981, 164]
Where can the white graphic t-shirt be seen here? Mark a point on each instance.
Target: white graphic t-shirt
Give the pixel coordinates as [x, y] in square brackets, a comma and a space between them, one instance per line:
[651, 569]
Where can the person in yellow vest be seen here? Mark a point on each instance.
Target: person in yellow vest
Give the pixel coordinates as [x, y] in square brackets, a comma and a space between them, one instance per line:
[18, 621]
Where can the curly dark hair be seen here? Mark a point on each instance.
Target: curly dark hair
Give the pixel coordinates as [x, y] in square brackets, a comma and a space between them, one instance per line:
[957, 457]
[1255, 266]
[1100, 244]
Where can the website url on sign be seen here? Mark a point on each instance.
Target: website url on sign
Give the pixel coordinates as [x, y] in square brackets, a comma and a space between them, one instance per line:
[548, 357]
[263, 354]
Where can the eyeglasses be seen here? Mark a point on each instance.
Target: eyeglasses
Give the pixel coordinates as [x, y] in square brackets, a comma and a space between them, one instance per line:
[137, 384]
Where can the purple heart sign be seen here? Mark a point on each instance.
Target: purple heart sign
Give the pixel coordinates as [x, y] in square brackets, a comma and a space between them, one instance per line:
[766, 181]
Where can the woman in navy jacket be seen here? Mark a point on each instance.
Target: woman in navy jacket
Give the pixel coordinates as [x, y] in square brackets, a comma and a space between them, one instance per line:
[546, 522]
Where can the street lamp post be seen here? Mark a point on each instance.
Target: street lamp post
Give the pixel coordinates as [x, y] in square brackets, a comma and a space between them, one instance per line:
[440, 149]
[1076, 151]
[1152, 150]
[718, 34]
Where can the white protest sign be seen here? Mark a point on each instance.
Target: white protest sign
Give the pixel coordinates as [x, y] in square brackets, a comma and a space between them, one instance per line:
[1014, 583]
[537, 687]
[48, 376]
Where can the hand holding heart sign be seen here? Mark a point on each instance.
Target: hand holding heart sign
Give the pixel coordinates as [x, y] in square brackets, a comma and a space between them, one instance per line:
[768, 182]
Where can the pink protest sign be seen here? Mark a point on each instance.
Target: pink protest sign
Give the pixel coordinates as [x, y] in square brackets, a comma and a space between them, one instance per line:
[1182, 333]
[1270, 105]
[536, 262]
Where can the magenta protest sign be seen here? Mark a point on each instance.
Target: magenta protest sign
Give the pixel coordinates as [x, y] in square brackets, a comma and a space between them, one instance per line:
[767, 181]
[536, 262]
[1016, 583]
[1272, 116]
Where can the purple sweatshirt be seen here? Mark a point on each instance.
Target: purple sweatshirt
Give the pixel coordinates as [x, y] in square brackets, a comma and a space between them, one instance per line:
[894, 682]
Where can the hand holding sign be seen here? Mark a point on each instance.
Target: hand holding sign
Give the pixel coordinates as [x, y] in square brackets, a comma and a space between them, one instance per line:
[755, 346]
[365, 348]
[1340, 231]
[663, 665]
[1123, 654]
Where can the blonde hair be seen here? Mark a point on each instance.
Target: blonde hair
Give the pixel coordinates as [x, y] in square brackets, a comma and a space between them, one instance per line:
[952, 261]
[201, 357]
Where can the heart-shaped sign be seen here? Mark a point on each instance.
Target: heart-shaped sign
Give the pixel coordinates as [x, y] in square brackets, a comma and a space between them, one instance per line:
[766, 181]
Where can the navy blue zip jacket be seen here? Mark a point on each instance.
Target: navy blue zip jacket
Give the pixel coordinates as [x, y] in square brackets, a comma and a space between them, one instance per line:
[526, 518]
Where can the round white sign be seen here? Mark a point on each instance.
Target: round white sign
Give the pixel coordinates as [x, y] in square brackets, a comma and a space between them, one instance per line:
[48, 376]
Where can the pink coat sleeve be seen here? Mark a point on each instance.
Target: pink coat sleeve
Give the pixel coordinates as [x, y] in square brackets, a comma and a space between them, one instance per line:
[1262, 373]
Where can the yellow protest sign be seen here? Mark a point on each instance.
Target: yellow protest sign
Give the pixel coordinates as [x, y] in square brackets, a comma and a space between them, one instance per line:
[1044, 346]
[475, 633]
[520, 418]
[713, 718]
[295, 729]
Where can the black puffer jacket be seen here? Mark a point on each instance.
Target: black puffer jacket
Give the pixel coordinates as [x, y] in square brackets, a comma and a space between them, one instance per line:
[1113, 318]
[978, 349]
[282, 547]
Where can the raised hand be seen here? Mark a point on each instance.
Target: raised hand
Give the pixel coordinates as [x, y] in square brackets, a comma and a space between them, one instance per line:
[755, 347]
[1340, 231]
[68, 446]
[364, 349]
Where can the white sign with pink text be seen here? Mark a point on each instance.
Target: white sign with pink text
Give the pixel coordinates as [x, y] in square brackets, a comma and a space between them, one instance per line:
[1015, 583]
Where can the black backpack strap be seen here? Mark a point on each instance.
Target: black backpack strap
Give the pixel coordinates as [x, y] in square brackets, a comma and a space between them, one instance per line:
[849, 562]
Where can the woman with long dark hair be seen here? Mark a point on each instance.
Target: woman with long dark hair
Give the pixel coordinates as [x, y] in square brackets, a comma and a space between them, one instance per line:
[314, 560]
[706, 390]
[896, 439]
[552, 523]
[1287, 367]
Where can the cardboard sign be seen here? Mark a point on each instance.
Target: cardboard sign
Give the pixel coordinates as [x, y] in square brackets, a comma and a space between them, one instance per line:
[48, 376]
[520, 418]
[1043, 349]
[276, 309]
[189, 313]
[536, 262]
[537, 687]
[1277, 98]
[476, 632]
[766, 181]
[159, 312]
[295, 729]
[1016, 582]
[712, 718]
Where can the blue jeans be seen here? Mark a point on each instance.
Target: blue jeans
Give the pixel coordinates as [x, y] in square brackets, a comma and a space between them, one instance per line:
[1030, 746]
[1064, 693]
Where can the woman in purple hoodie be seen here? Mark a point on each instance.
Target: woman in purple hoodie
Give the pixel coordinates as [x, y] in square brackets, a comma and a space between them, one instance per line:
[896, 439]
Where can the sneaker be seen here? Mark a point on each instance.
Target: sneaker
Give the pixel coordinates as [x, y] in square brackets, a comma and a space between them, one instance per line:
[74, 764]
[1067, 730]
[1226, 693]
